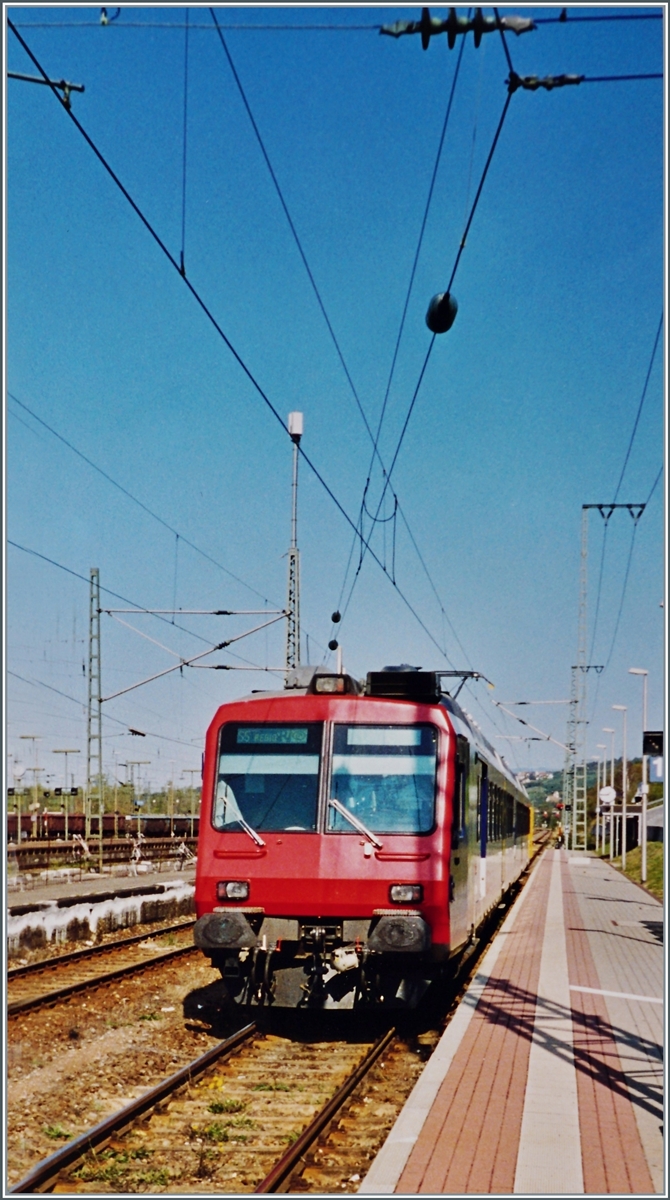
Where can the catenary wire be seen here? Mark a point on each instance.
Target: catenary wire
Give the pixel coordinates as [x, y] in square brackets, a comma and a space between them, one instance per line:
[623, 592]
[194, 25]
[311, 28]
[140, 608]
[417, 252]
[623, 596]
[296, 237]
[201, 303]
[375, 447]
[178, 536]
[451, 280]
[620, 78]
[504, 42]
[183, 170]
[303, 256]
[291, 224]
[82, 704]
[365, 543]
[618, 486]
[135, 500]
[117, 596]
[639, 410]
[566, 20]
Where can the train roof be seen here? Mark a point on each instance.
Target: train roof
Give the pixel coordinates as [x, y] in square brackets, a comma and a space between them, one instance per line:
[419, 687]
[467, 726]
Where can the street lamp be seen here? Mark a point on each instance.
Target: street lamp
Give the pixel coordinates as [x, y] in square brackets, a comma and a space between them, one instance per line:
[192, 771]
[612, 732]
[645, 785]
[34, 738]
[66, 801]
[599, 825]
[622, 708]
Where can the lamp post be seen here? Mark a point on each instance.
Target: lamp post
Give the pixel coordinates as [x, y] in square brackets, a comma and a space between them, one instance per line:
[137, 762]
[34, 738]
[601, 746]
[645, 785]
[192, 771]
[171, 796]
[622, 708]
[65, 792]
[612, 732]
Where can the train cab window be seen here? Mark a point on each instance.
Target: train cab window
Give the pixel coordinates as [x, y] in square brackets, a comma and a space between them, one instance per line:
[385, 776]
[268, 778]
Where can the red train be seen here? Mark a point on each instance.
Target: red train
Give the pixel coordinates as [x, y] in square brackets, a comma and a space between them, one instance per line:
[351, 840]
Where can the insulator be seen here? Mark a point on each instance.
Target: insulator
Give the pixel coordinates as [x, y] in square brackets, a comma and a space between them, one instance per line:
[336, 617]
[425, 27]
[441, 312]
[332, 645]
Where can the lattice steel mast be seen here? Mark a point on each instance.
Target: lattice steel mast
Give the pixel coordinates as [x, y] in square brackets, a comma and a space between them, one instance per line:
[575, 764]
[94, 784]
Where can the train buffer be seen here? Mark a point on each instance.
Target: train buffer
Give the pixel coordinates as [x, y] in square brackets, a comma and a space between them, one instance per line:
[549, 1077]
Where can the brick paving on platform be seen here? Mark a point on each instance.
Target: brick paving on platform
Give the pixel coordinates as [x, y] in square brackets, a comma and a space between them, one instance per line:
[571, 1004]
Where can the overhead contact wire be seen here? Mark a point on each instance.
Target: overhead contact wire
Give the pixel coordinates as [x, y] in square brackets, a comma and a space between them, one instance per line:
[140, 503]
[291, 224]
[448, 289]
[213, 321]
[475, 202]
[140, 608]
[296, 237]
[504, 42]
[183, 172]
[639, 410]
[618, 486]
[365, 543]
[418, 247]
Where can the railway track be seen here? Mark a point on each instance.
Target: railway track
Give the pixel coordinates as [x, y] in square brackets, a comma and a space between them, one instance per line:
[31, 987]
[258, 1113]
[240, 1116]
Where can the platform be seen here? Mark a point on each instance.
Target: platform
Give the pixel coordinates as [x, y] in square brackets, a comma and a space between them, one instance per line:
[549, 1078]
[89, 887]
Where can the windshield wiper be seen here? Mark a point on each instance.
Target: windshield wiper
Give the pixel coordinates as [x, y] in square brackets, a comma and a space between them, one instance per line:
[344, 812]
[255, 837]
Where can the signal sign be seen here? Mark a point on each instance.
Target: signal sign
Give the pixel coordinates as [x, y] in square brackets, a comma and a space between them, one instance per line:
[652, 743]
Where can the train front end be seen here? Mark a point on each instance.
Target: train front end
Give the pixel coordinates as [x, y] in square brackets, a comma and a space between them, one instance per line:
[323, 856]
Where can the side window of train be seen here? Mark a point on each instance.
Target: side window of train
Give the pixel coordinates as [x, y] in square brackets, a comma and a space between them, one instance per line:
[458, 828]
[483, 809]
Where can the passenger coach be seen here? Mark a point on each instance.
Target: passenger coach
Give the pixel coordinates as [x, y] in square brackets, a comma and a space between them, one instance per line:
[351, 840]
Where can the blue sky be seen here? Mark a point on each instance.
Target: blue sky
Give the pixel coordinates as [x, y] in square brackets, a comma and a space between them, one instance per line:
[524, 414]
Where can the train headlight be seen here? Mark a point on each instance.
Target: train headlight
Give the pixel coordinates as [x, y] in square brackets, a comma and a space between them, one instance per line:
[232, 889]
[329, 684]
[406, 893]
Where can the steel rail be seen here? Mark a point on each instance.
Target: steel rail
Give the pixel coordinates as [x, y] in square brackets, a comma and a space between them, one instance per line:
[60, 960]
[18, 1007]
[282, 1170]
[46, 1172]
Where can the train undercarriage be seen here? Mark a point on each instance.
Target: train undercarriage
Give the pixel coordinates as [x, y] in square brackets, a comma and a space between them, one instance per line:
[386, 961]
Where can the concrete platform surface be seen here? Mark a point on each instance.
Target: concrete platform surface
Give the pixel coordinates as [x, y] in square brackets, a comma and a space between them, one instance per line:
[89, 885]
[549, 1078]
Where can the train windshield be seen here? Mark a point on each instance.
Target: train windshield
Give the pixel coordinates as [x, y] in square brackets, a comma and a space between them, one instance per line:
[385, 776]
[268, 777]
